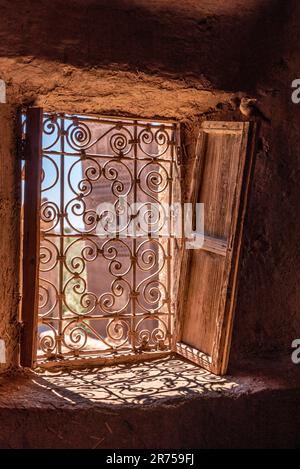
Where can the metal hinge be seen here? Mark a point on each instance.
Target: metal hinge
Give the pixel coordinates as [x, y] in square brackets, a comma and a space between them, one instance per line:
[179, 155]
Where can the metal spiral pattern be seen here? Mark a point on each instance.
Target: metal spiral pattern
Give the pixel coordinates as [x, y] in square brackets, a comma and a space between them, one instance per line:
[105, 281]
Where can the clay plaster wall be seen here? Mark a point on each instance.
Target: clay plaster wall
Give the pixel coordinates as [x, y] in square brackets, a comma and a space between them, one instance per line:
[9, 236]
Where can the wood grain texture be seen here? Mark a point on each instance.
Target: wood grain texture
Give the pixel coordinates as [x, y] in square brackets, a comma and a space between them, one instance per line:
[203, 295]
[32, 155]
[207, 287]
[215, 245]
[224, 332]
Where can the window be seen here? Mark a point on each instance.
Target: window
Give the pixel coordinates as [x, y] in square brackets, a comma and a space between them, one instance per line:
[101, 260]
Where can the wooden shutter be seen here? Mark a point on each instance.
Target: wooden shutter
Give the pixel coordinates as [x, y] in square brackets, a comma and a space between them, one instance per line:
[209, 274]
[33, 171]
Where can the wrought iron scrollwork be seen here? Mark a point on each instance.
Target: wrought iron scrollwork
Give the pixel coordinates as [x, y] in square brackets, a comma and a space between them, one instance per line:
[105, 281]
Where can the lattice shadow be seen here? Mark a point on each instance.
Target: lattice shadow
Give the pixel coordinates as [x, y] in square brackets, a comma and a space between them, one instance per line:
[138, 383]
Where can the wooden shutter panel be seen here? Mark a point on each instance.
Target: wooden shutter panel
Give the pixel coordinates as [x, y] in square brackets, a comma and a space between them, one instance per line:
[209, 274]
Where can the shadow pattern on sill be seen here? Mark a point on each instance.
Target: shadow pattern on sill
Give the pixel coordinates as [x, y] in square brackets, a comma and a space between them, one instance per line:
[139, 383]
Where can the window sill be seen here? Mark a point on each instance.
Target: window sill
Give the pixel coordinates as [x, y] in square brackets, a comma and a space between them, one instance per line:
[152, 404]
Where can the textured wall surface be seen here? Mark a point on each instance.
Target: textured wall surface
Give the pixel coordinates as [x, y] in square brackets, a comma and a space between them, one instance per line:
[9, 236]
[167, 59]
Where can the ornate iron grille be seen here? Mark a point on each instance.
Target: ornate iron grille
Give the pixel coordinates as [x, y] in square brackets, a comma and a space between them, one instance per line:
[107, 245]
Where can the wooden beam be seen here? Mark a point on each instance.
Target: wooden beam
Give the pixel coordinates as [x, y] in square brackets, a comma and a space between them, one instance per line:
[225, 340]
[209, 274]
[32, 196]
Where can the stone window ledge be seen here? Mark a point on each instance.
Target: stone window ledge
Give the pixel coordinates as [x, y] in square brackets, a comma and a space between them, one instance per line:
[163, 403]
